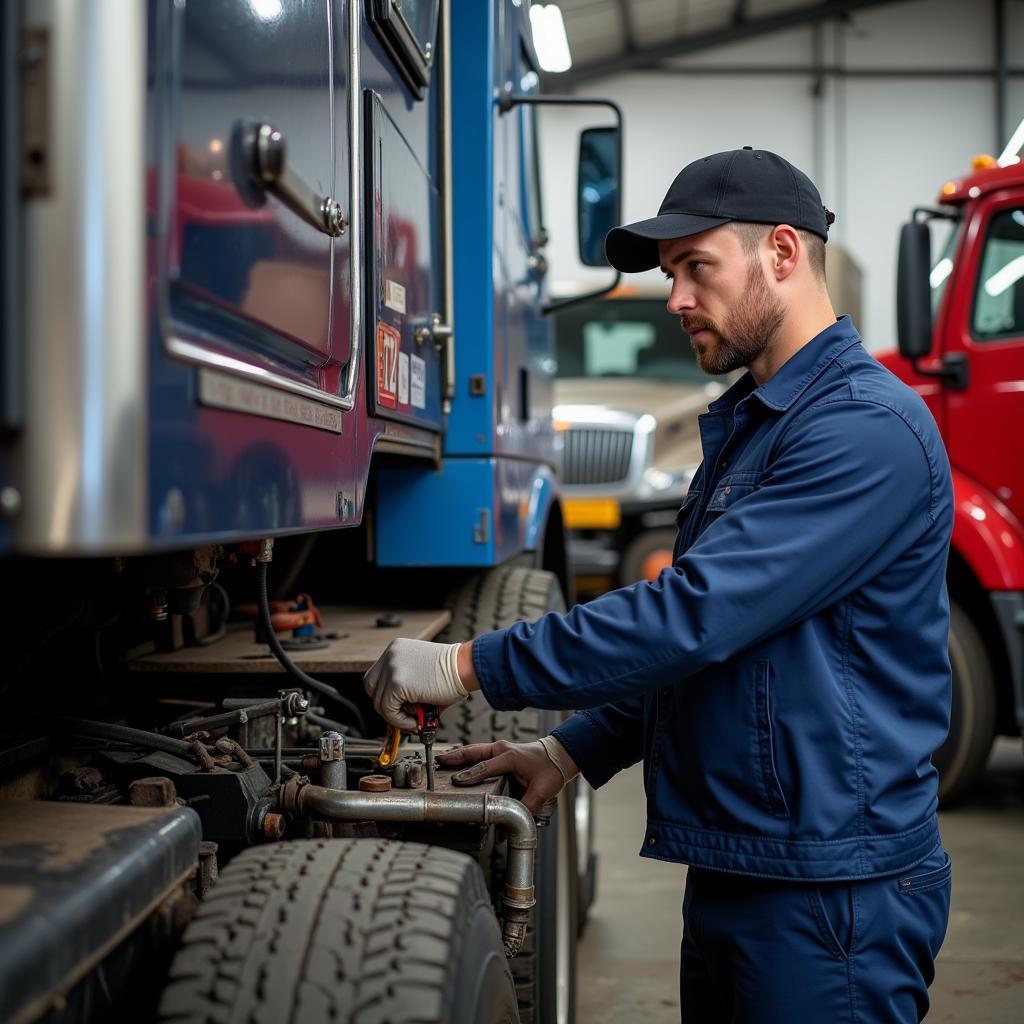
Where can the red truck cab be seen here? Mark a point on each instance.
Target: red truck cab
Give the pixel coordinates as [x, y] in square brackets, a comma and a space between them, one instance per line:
[961, 346]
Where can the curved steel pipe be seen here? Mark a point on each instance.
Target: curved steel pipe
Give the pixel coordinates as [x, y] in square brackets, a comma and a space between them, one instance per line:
[301, 797]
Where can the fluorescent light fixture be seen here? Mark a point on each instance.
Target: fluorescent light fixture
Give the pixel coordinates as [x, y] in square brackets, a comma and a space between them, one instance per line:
[940, 272]
[1009, 155]
[1005, 277]
[549, 38]
[268, 10]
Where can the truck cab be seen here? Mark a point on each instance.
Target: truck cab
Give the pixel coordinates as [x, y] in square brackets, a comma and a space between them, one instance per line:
[961, 346]
[275, 390]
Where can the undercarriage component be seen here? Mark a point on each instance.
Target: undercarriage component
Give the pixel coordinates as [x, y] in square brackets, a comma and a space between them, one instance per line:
[78, 881]
[300, 798]
[343, 930]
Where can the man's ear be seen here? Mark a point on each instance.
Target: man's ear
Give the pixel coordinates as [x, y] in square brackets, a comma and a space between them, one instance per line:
[786, 251]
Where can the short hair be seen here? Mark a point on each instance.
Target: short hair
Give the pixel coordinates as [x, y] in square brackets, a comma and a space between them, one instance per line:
[751, 234]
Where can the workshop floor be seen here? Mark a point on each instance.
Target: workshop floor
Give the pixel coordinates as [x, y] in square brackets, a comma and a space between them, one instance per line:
[629, 955]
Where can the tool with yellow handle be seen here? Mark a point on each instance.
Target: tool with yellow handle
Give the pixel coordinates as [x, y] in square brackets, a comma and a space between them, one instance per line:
[389, 752]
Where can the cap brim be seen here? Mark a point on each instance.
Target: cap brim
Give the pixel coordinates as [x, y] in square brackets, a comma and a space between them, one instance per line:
[634, 247]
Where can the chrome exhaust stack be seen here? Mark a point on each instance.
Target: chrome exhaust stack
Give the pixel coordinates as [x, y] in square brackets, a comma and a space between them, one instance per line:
[300, 798]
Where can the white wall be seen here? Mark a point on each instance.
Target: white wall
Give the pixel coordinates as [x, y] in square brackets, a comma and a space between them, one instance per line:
[875, 147]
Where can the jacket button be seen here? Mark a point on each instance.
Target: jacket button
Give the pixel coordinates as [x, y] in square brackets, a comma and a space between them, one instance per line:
[651, 840]
[727, 488]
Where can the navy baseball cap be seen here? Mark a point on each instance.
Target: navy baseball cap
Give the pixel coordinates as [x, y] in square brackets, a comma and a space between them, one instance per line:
[741, 184]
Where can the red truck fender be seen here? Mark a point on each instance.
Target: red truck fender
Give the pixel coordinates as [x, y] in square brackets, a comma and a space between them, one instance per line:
[987, 536]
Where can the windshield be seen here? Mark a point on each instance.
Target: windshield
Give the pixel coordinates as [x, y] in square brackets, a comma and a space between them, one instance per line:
[943, 268]
[624, 338]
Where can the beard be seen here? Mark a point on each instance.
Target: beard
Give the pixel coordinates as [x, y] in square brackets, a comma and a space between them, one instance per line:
[745, 333]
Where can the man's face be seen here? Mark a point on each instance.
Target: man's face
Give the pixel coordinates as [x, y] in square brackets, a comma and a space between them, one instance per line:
[722, 298]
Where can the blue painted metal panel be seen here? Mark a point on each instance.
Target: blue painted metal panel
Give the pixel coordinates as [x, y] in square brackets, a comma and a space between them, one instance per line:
[469, 512]
[471, 423]
[442, 516]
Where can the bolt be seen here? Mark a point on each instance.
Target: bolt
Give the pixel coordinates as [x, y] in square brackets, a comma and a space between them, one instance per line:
[273, 825]
[334, 217]
[152, 791]
[158, 606]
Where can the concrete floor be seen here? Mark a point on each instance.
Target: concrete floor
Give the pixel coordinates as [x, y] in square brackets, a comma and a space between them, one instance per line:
[629, 955]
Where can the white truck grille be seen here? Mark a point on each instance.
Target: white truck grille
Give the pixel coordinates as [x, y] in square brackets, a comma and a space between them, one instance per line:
[596, 455]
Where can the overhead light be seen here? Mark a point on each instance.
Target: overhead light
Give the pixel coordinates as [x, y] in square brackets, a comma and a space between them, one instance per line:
[549, 38]
[1008, 155]
[1005, 278]
[268, 10]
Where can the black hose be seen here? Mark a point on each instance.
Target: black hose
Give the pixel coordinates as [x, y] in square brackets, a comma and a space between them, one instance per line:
[262, 577]
[326, 723]
[123, 734]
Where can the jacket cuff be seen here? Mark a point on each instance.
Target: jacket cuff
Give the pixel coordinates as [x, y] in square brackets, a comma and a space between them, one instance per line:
[489, 664]
[587, 745]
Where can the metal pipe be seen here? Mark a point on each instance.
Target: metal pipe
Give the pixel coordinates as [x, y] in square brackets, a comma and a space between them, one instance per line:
[122, 734]
[299, 796]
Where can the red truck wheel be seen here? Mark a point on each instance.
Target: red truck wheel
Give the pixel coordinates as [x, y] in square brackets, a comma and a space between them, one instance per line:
[961, 759]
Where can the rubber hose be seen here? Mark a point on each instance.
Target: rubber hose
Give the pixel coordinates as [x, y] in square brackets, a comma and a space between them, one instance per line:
[123, 734]
[262, 577]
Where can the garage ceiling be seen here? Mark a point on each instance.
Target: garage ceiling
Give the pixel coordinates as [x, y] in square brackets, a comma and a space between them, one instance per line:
[608, 36]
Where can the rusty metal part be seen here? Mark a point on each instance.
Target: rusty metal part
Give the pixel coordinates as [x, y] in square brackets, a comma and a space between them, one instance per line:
[208, 869]
[229, 717]
[273, 825]
[310, 763]
[202, 755]
[333, 770]
[226, 745]
[152, 791]
[298, 797]
[409, 773]
[374, 784]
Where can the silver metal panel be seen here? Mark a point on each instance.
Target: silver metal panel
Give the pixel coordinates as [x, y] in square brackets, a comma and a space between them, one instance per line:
[81, 461]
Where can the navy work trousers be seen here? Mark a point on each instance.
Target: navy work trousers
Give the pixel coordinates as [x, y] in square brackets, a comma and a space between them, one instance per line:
[758, 951]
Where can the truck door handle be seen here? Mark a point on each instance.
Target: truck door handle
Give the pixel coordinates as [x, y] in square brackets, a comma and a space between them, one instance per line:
[259, 159]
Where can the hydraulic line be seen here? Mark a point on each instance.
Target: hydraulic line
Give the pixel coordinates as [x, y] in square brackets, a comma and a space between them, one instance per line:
[300, 797]
[123, 734]
[303, 678]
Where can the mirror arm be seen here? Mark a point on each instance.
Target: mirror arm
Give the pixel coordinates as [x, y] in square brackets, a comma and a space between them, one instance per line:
[506, 102]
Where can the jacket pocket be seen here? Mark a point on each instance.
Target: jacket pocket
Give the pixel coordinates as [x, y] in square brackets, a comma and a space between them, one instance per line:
[764, 750]
[925, 881]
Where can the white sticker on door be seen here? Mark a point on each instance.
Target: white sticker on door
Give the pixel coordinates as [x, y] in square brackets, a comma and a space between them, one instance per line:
[419, 383]
[394, 296]
[403, 378]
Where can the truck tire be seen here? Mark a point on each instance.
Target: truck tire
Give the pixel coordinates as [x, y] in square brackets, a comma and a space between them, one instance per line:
[972, 726]
[646, 555]
[545, 969]
[355, 931]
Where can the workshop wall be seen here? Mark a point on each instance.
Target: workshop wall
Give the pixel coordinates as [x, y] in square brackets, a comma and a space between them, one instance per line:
[876, 146]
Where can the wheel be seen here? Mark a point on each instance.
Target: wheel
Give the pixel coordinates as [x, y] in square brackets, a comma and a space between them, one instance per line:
[961, 758]
[545, 969]
[646, 555]
[586, 855]
[359, 931]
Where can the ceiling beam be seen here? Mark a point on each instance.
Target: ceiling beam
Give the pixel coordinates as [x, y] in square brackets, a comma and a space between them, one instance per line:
[734, 32]
[628, 29]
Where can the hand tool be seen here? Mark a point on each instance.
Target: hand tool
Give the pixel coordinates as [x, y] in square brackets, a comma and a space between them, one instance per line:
[428, 718]
[389, 752]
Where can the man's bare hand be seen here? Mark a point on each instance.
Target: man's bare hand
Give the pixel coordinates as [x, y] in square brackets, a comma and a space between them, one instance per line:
[528, 763]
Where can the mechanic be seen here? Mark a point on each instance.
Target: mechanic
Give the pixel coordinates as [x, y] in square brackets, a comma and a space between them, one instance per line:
[787, 679]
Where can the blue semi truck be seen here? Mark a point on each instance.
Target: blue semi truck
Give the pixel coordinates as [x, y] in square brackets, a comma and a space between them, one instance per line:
[275, 388]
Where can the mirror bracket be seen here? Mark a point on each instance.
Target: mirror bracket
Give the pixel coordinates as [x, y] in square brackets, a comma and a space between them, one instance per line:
[507, 101]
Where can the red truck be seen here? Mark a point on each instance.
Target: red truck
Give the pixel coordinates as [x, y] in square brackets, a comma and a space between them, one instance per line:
[960, 310]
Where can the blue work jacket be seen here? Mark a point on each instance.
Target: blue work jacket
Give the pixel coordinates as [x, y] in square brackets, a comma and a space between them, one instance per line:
[787, 679]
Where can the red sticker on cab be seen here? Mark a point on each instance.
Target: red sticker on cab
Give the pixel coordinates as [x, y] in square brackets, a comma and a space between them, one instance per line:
[388, 343]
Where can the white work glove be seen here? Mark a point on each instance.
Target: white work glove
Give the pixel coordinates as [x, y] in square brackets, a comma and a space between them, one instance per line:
[413, 672]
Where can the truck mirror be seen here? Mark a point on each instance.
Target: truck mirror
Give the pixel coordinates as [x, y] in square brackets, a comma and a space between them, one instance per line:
[913, 293]
[598, 196]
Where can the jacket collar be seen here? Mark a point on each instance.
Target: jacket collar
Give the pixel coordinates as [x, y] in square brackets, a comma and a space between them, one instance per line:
[796, 374]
